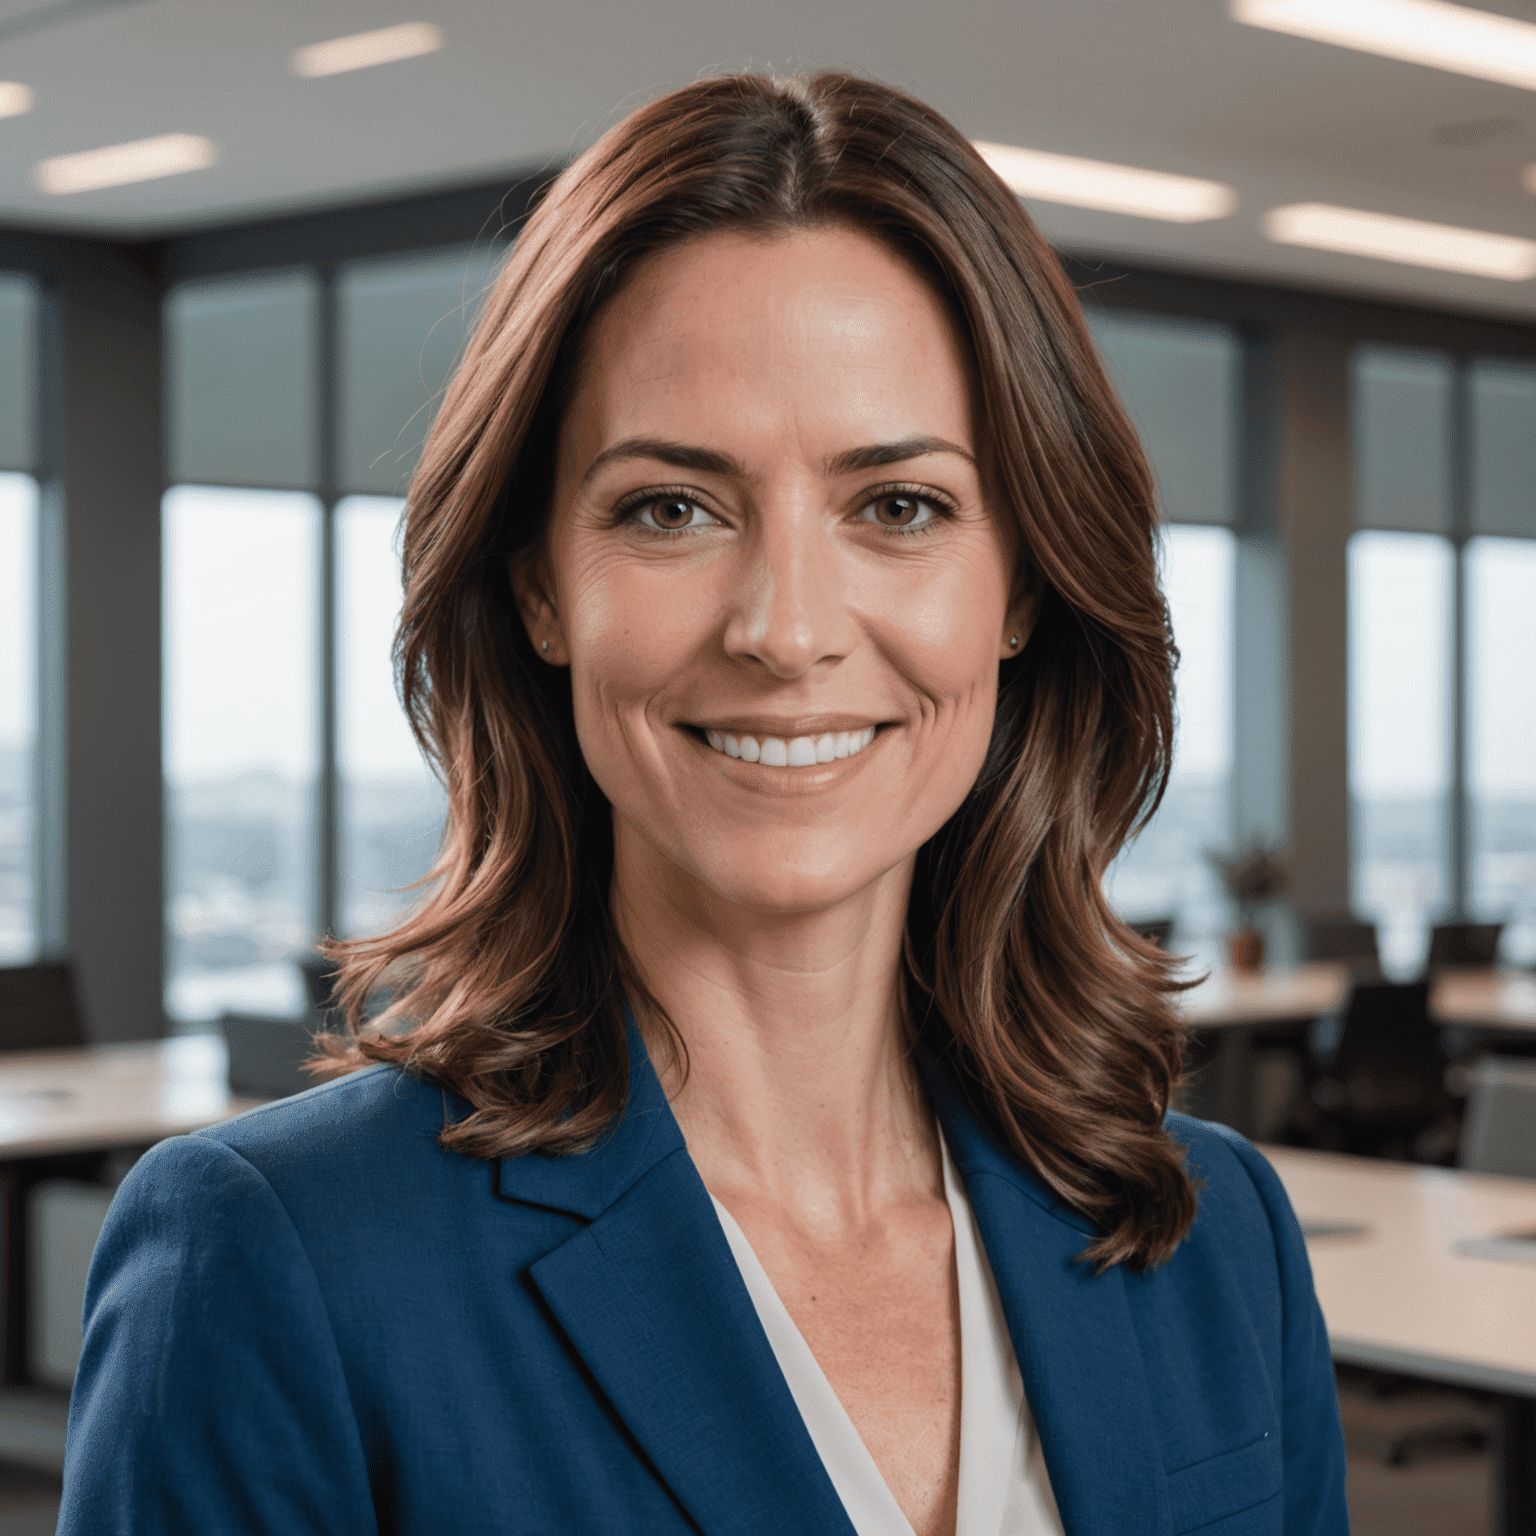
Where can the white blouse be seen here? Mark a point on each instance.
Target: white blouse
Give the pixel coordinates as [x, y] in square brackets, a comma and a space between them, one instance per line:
[1004, 1487]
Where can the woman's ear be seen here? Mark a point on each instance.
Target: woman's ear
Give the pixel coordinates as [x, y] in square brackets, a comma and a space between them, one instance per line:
[1017, 624]
[532, 587]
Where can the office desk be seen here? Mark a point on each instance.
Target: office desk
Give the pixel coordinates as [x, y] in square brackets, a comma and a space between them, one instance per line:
[1227, 1008]
[1398, 1297]
[59, 1109]
[1501, 1001]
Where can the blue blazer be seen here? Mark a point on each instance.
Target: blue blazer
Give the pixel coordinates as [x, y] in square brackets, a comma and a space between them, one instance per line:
[312, 1319]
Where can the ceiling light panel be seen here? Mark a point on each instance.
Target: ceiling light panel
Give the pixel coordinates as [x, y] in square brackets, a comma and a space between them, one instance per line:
[118, 165]
[363, 50]
[1384, 236]
[16, 98]
[1035, 174]
[1453, 37]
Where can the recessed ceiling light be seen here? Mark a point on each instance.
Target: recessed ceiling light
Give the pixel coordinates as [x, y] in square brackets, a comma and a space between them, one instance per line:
[116, 165]
[1052, 178]
[362, 50]
[16, 98]
[1453, 37]
[1445, 247]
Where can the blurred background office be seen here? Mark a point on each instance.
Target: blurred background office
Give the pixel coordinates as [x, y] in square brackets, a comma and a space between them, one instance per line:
[240, 248]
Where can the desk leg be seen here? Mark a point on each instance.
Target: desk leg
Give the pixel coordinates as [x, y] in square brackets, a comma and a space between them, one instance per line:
[1514, 1468]
[18, 1264]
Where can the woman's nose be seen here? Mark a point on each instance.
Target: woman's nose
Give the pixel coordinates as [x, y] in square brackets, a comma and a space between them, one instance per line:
[790, 610]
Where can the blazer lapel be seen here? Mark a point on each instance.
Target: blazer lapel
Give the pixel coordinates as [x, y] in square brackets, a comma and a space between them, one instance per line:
[649, 1296]
[1072, 1332]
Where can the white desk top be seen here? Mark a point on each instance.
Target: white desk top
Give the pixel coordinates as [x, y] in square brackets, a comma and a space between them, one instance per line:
[107, 1096]
[1231, 997]
[1399, 1297]
[1493, 999]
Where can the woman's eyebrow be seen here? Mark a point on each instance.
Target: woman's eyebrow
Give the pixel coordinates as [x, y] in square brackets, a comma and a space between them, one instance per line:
[678, 455]
[878, 454]
[711, 461]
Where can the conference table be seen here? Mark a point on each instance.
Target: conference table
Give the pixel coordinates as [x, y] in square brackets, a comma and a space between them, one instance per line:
[1421, 1271]
[60, 1109]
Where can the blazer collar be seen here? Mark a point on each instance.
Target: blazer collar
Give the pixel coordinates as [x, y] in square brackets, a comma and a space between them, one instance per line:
[587, 1183]
[1072, 1333]
[649, 1296]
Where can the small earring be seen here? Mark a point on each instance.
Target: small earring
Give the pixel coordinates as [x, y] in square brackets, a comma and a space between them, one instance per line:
[544, 645]
[1013, 642]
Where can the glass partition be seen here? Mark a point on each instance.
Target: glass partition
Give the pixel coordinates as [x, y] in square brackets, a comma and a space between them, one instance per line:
[391, 804]
[242, 719]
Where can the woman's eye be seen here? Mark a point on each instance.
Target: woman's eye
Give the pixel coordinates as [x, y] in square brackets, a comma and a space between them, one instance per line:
[670, 514]
[900, 510]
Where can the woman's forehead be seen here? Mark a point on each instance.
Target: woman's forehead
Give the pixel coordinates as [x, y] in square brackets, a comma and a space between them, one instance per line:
[823, 332]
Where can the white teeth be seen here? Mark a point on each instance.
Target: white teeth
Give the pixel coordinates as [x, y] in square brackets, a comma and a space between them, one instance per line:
[798, 752]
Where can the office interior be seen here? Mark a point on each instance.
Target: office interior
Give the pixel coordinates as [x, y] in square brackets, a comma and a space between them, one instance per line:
[216, 372]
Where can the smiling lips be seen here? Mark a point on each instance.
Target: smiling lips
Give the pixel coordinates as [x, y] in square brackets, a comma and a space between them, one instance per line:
[794, 751]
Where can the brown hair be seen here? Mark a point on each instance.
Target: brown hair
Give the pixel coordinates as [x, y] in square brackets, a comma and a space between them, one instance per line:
[1053, 1016]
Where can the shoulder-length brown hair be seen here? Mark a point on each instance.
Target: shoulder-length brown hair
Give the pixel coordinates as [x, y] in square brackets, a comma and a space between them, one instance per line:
[1050, 1012]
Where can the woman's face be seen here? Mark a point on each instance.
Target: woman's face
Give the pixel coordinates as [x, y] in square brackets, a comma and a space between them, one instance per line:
[771, 568]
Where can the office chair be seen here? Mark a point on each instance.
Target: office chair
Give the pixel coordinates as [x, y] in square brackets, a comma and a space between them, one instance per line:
[1498, 1133]
[266, 1054]
[1385, 1088]
[1464, 944]
[319, 982]
[1343, 939]
[39, 1009]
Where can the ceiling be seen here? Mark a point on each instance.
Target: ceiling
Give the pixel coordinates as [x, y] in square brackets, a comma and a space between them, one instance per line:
[1171, 85]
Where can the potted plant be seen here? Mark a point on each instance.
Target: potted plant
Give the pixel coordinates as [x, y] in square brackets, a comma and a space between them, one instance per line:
[1253, 877]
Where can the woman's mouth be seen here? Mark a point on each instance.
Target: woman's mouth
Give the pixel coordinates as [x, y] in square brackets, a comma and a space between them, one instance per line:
[791, 751]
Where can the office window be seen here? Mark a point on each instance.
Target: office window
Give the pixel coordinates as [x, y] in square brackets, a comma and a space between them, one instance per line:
[1165, 873]
[1401, 688]
[242, 387]
[18, 717]
[1500, 577]
[1179, 381]
[403, 322]
[391, 805]
[18, 621]
[242, 761]
[1400, 597]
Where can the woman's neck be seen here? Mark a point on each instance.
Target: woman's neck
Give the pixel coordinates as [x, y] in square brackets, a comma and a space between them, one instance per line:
[799, 1089]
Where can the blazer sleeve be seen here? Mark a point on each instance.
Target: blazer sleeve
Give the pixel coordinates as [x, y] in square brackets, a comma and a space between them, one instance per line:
[1313, 1445]
[210, 1399]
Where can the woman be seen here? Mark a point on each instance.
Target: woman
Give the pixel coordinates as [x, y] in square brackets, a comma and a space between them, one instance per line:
[770, 1132]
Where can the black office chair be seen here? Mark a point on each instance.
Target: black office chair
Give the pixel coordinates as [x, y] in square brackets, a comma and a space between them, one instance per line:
[1344, 940]
[266, 1055]
[1384, 1093]
[1464, 944]
[39, 1009]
